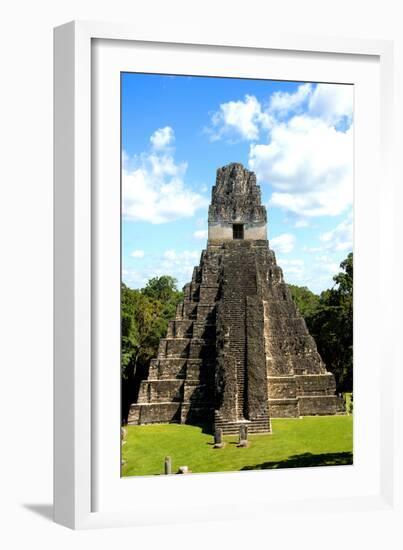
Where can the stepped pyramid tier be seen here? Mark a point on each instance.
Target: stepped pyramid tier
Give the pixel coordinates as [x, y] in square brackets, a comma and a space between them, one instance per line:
[238, 351]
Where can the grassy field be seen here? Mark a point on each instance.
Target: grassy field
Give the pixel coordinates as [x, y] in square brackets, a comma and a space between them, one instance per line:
[294, 443]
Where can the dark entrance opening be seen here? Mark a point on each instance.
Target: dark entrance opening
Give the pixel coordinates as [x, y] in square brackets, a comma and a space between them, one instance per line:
[237, 231]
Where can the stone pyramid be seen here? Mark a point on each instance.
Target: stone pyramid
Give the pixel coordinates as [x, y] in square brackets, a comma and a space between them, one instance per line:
[238, 351]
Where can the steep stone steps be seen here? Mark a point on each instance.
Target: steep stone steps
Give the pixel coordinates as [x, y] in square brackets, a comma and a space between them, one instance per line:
[255, 426]
[240, 281]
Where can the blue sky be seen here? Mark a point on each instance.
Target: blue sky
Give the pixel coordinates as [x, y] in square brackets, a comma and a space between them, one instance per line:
[177, 130]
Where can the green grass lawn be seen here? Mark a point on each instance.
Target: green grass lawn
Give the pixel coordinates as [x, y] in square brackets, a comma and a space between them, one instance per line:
[295, 442]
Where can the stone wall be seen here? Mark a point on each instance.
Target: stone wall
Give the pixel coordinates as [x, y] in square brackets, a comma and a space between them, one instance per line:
[222, 231]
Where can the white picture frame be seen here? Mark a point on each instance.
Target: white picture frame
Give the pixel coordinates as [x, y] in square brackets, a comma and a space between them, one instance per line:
[85, 491]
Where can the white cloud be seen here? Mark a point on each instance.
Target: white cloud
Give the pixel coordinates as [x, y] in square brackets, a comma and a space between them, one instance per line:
[162, 138]
[200, 234]
[301, 222]
[185, 255]
[308, 164]
[331, 103]
[340, 238]
[135, 278]
[154, 189]
[281, 103]
[327, 264]
[283, 244]
[242, 119]
[308, 156]
[289, 262]
[317, 274]
[179, 264]
[137, 254]
[293, 269]
[246, 118]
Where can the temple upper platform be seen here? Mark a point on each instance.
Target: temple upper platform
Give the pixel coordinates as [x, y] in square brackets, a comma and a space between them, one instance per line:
[236, 210]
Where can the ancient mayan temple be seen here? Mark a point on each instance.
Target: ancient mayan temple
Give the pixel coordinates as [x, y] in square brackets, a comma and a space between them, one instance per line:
[238, 351]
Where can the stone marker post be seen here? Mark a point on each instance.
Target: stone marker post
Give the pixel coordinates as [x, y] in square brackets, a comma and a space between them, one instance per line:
[218, 438]
[243, 436]
[168, 465]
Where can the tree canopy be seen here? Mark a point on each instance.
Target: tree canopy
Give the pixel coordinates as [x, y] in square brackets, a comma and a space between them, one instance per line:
[144, 320]
[329, 318]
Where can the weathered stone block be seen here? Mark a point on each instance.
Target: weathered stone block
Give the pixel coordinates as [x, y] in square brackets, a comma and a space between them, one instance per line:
[134, 414]
[194, 392]
[204, 331]
[180, 328]
[193, 368]
[156, 391]
[208, 294]
[318, 405]
[282, 387]
[283, 408]
[206, 312]
[189, 310]
[167, 368]
[176, 347]
[156, 413]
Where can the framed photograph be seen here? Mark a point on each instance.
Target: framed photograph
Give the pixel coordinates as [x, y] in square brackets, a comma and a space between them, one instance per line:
[235, 345]
[219, 206]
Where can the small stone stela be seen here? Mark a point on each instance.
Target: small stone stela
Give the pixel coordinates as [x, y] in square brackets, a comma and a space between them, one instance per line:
[238, 351]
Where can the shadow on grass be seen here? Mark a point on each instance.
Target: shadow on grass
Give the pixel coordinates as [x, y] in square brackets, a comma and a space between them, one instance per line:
[306, 460]
[206, 428]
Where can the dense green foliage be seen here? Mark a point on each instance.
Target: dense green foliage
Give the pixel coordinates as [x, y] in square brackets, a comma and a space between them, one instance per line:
[145, 316]
[329, 318]
[306, 301]
[295, 442]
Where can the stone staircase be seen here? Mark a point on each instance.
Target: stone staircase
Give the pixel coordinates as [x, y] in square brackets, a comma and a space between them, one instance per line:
[238, 285]
[261, 424]
[239, 281]
[240, 375]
